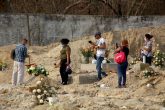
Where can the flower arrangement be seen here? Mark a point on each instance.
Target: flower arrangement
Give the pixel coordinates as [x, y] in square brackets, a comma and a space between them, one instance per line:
[86, 52]
[149, 73]
[37, 70]
[135, 61]
[159, 58]
[43, 91]
[3, 65]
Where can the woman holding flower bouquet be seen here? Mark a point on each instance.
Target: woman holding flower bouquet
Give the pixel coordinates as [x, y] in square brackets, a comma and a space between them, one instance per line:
[65, 60]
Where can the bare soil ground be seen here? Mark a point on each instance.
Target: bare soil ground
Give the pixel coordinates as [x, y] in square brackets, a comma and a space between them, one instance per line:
[84, 92]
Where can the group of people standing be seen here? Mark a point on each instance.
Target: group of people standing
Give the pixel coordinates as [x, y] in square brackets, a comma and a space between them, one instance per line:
[65, 60]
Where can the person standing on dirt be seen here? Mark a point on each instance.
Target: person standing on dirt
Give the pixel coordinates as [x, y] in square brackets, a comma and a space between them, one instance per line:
[19, 60]
[65, 60]
[146, 51]
[100, 46]
[122, 68]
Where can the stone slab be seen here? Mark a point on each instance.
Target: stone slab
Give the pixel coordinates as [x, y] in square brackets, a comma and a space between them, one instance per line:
[87, 78]
[88, 67]
[107, 67]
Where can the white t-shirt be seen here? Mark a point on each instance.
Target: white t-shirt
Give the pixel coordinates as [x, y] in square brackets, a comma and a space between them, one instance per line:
[100, 52]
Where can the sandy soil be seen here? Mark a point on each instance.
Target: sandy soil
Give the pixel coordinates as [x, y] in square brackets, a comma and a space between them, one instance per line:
[84, 92]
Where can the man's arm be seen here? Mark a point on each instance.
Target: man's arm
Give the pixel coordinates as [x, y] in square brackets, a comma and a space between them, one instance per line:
[25, 52]
[103, 46]
[68, 55]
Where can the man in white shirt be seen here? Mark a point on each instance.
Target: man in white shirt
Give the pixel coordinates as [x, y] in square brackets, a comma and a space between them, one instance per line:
[100, 54]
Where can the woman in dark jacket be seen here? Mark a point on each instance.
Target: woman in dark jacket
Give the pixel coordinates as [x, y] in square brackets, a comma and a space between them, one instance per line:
[122, 68]
[65, 60]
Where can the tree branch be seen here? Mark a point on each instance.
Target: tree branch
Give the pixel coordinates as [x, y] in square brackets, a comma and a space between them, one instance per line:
[74, 4]
[119, 8]
[110, 5]
[144, 7]
[141, 3]
[85, 8]
[131, 8]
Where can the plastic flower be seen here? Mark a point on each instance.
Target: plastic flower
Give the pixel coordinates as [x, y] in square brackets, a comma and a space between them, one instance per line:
[47, 73]
[32, 68]
[45, 91]
[39, 90]
[39, 96]
[41, 101]
[42, 70]
[86, 50]
[152, 72]
[34, 91]
[42, 79]
[38, 82]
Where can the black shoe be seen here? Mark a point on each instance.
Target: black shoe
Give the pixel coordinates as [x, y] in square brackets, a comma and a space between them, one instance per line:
[105, 75]
[99, 79]
[119, 86]
[65, 83]
[124, 86]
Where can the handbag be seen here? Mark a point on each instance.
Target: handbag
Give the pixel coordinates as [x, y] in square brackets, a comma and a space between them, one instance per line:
[68, 70]
[120, 57]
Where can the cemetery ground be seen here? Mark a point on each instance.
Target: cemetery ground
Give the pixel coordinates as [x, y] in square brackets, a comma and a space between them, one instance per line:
[83, 92]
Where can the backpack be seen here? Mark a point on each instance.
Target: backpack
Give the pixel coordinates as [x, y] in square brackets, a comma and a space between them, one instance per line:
[120, 57]
[12, 54]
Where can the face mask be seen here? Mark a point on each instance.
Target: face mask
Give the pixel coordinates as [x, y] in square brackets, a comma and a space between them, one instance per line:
[61, 45]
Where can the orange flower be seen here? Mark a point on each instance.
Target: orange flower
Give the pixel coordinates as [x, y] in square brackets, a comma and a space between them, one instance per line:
[86, 50]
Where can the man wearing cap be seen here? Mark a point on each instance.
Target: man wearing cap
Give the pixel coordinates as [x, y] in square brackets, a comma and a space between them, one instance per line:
[100, 53]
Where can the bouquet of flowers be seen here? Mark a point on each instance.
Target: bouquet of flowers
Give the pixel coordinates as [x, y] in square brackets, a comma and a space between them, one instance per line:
[135, 61]
[86, 52]
[43, 91]
[2, 65]
[159, 58]
[37, 70]
[148, 73]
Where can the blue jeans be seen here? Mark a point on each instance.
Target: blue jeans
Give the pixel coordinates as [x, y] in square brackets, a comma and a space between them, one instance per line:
[121, 69]
[98, 67]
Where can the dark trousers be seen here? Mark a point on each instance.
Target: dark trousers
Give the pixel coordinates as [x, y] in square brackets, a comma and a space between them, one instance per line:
[63, 73]
[98, 67]
[122, 68]
[149, 60]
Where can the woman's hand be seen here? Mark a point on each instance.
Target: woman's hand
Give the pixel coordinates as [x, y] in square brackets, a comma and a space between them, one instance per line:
[117, 50]
[56, 65]
[67, 63]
